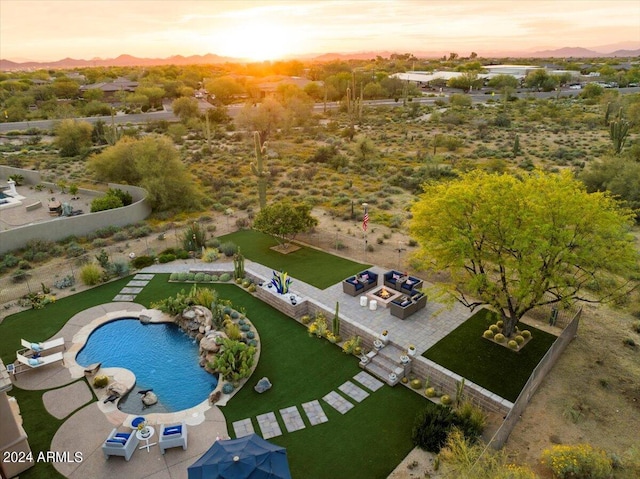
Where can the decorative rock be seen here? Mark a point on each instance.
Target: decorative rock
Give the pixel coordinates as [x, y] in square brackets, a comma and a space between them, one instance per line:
[145, 319]
[263, 385]
[117, 388]
[199, 337]
[209, 344]
[201, 329]
[190, 314]
[207, 329]
[149, 399]
[214, 397]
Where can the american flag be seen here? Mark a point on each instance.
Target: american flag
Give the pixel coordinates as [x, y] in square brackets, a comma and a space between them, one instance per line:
[365, 220]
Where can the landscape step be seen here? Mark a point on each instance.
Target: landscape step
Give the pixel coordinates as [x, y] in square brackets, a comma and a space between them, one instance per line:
[381, 374]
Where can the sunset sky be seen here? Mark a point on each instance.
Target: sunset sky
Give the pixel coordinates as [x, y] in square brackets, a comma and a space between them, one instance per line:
[49, 30]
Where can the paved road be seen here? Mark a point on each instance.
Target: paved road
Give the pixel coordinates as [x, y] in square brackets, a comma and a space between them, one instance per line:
[233, 110]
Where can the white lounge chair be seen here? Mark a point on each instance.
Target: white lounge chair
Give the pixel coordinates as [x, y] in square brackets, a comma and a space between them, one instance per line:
[42, 346]
[172, 436]
[34, 363]
[120, 444]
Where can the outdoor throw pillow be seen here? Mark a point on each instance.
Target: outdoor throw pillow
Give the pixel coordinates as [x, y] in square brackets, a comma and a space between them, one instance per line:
[395, 276]
[119, 441]
[405, 303]
[36, 347]
[172, 430]
[365, 277]
[33, 362]
[123, 435]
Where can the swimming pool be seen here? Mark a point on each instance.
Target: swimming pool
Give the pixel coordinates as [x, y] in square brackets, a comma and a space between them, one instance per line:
[162, 357]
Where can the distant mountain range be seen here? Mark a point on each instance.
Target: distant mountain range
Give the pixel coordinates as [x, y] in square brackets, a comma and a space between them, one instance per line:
[210, 58]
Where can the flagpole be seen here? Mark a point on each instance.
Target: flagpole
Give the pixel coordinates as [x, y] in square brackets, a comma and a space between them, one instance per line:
[365, 222]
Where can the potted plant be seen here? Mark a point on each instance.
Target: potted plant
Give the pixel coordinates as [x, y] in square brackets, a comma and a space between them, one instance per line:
[411, 350]
[384, 337]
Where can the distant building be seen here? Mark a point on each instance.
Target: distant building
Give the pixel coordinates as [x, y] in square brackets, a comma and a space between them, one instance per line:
[111, 89]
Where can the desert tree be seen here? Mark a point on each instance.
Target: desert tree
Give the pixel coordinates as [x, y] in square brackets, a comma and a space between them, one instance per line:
[73, 137]
[515, 244]
[284, 220]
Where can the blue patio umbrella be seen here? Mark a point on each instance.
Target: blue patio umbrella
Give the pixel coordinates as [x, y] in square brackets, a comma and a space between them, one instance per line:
[248, 457]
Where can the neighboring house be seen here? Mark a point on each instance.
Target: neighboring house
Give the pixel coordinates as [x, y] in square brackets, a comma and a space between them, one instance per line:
[111, 89]
[269, 87]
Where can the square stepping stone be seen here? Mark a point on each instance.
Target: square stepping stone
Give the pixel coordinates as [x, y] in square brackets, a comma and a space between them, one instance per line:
[139, 284]
[292, 419]
[144, 276]
[337, 402]
[353, 391]
[130, 290]
[268, 425]
[124, 297]
[314, 412]
[242, 428]
[368, 381]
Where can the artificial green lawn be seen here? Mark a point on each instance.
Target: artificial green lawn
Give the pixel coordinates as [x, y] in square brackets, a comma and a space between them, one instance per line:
[310, 265]
[494, 367]
[368, 441]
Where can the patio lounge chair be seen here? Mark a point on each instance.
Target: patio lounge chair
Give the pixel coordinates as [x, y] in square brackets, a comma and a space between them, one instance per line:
[42, 346]
[173, 436]
[33, 363]
[120, 444]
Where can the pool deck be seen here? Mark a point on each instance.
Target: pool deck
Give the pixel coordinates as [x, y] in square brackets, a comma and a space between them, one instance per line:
[86, 429]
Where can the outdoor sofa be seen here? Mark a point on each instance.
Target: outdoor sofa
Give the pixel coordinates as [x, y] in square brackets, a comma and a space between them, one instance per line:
[360, 283]
[405, 306]
[401, 282]
[120, 444]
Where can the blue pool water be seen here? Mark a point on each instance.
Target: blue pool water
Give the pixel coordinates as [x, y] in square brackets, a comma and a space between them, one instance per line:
[162, 357]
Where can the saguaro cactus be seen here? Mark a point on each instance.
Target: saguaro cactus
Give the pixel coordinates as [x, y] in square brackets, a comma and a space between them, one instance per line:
[618, 131]
[336, 321]
[238, 265]
[258, 169]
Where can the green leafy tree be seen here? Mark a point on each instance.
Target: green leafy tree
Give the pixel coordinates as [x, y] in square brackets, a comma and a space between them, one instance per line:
[465, 82]
[225, 89]
[152, 163]
[73, 137]
[265, 118]
[517, 244]
[185, 108]
[285, 220]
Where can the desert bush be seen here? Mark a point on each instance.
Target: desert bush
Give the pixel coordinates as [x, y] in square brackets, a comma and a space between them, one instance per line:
[210, 255]
[431, 427]
[166, 258]
[224, 277]
[142, 261]
[91, 274]
[229, 248]
[580, 461]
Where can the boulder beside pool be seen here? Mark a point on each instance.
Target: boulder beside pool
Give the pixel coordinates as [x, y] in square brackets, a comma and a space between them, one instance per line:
[149, 399]
[263, 385]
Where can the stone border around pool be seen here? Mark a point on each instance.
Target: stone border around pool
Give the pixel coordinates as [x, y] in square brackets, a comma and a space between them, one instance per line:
[192, 416]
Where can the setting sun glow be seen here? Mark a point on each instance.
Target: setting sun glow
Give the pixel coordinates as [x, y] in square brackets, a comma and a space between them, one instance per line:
[256, 41]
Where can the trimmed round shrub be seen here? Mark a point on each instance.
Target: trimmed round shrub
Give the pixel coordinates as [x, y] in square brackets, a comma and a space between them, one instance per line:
[100, 381]
[173, 277]
[488, 334]
[526, 334]
[251, 335]
[519, 339]
[445, 399]
[430, 392]
[224, 277]
[214, 277]
[207, 278]
[499, 337]
[199, 277]
[227, 388]
[494, 328]
[166, 258]
[91, 274]
[416, 384]
[182, 276]
[182, 254]
[191, 276]
[140, 262]
[512, 344]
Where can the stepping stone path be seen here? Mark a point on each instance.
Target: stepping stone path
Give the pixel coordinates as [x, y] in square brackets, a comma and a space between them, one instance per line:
[368, 381]
[269, 425]
[292, 419]
[133, 287]
[243, 427]
[314, 412]
[353, 391]
[337, 402]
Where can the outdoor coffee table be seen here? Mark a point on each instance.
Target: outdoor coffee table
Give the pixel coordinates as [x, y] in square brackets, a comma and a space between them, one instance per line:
[146, 434]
